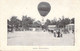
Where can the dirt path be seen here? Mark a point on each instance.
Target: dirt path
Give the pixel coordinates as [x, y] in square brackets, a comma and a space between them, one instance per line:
[28, 38]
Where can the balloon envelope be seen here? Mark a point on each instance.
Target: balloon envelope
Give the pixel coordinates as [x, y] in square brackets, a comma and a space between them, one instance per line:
[44, 8]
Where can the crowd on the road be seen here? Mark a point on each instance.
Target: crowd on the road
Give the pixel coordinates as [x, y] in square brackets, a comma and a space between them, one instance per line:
[56, 33]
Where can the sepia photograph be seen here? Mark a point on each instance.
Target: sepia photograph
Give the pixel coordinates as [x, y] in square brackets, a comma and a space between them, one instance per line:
[41, 24]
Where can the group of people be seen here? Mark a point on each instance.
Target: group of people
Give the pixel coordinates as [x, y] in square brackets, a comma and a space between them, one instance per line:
[56, 33]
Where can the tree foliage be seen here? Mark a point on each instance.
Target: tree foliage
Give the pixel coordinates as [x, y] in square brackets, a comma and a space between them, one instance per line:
[72, 20]
[27, 22]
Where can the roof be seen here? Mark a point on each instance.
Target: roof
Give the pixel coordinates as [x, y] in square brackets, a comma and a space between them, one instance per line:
[51, 25]
[70, 24]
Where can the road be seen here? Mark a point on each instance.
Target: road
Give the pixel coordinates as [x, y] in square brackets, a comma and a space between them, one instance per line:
[33, 38]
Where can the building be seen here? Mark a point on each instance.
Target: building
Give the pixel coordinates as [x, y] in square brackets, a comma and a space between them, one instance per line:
[52, 28]
[70, 27]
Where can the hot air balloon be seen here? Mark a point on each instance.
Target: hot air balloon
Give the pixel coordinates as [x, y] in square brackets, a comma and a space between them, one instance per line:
[44, 8]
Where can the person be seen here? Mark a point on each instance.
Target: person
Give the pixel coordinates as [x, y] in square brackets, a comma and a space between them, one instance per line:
[72, 31]
[54, 33]
[51, 31]
[58, 32]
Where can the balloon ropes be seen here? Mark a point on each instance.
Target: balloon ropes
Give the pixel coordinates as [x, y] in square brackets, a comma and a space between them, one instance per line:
[44, 8]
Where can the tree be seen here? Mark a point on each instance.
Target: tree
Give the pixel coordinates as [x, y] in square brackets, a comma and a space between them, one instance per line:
[37, 24]
[53, 22]
[63, 22]
[15, 23]
[26, 22]
[72, 20]
[45, 26]
[29, 21]
[13, 20]
[48, 22]
[8, 22]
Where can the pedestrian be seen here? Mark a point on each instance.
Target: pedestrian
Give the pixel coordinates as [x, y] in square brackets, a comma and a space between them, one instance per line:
[72, 31]
[54, 33]
[58, 32]
[51, 31]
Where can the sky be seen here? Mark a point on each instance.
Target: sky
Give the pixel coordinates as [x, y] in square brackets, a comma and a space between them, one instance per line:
[59, 8]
